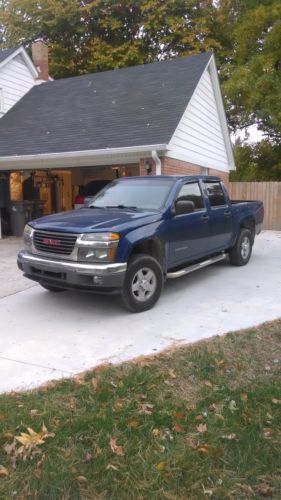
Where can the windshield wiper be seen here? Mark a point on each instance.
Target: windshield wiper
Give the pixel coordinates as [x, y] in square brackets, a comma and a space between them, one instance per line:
[122, 207]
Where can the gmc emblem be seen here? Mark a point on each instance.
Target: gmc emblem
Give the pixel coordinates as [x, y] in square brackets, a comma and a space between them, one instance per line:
[53, 243]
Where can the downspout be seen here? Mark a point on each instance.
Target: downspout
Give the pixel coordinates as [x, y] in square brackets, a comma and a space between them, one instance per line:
[157, 160]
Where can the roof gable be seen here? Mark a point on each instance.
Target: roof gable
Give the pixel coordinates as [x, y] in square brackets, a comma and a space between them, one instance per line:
[202, 135]
[6, 55]
[127, 107]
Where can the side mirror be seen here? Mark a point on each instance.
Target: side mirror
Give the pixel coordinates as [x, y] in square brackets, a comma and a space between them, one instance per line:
[184, 207]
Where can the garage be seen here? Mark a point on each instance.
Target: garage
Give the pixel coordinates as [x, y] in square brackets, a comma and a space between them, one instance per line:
[163, 118]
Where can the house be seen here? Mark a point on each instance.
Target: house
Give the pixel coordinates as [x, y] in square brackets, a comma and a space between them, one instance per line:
[19, 73]
[161, 118]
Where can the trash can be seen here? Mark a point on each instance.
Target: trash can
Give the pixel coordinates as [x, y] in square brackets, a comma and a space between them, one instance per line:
[20, 214]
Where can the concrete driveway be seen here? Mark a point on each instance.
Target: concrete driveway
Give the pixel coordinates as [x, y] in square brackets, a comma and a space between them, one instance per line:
[47, 336]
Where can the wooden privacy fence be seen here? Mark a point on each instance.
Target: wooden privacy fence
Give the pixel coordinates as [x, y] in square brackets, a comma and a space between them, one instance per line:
[268, 192]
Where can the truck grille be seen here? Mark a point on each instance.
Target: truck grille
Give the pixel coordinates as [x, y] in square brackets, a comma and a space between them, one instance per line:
[59, 243]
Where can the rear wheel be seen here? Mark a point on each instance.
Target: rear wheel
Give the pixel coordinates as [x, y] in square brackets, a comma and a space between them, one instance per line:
[241, 253]
[51, 288]
[143, 283]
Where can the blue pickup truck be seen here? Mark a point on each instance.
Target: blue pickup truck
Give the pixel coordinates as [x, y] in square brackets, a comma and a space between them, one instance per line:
[136, 233]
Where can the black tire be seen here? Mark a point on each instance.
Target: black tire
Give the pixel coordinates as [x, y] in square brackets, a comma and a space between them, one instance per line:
[241, 253]
[51, 288]
[140, 296]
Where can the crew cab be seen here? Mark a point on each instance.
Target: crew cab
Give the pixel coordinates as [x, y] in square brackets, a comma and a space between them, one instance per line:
[136, 233]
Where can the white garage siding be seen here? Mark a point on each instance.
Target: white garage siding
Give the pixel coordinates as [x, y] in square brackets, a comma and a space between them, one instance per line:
[199, 137]
[15, 81]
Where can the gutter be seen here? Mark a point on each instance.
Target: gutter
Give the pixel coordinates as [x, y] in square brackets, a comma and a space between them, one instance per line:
[157, 160]
[82, 158]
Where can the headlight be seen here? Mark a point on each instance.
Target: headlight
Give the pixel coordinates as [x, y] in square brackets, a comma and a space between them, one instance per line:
[98, 247]
[100, 237]
[27, 236]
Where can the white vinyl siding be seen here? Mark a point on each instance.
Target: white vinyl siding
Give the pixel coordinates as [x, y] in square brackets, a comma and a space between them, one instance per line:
[15, 81]
[198, 138]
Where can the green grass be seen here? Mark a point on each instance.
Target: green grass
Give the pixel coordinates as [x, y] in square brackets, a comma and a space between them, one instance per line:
[228, 387]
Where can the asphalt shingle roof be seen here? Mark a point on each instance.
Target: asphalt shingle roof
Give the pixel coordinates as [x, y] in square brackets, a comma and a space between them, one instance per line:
[139, 105]
[4, 53]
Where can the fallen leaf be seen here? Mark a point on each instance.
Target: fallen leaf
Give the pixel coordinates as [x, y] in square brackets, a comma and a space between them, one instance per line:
[207, 383]
[115, 448]
[179, 428]
[179, 415]
[276, 401]
[98, 451]
[202, 428]
[267, 432]
[265, 490]
[146, 408]
[230, 437]
[161, 466]
[81, 479]
[94, 383]
[88, 457]
[118, 405]
[33, 413]
[191, 442]
[79, 379]
[244, 397]
[113, 384]
[72, 403]
[111, 467]
[172, 373]
[156, 433]
[132, 424]
[232, 406]
[208, 491]
[3, 471]
[67, 453]
[199, 417]
[203, 449]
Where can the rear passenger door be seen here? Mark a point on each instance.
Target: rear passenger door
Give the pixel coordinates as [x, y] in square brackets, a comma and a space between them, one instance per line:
[189, 234]
[221, 224]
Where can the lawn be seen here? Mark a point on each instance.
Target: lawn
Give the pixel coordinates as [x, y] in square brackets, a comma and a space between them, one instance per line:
[196, 422]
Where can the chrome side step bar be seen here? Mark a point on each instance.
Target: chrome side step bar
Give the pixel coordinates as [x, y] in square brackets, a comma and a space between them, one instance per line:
[195, 267]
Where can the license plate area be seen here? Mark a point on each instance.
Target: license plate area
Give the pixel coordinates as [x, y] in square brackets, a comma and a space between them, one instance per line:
[49, 274]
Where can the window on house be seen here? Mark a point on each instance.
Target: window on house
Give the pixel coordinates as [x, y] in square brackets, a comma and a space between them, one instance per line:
[215, 193]
[192, 192]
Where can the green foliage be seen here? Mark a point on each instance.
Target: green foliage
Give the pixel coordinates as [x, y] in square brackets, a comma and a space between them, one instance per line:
[96, 35]
[252, 68]
[257, 162]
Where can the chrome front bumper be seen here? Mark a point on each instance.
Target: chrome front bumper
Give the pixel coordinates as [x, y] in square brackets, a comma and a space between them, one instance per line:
[71, 274]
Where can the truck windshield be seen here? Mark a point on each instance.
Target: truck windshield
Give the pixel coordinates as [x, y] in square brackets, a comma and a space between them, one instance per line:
[138, 194]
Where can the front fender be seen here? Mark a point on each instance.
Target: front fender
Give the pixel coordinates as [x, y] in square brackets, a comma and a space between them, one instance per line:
[138, 236]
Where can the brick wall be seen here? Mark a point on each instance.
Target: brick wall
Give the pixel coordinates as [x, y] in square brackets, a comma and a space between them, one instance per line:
[170, 166]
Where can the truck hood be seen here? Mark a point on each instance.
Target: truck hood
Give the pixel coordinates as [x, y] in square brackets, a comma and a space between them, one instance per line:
[87, 220]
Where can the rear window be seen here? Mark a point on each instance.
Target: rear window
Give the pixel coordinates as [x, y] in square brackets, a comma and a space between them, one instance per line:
[215, 194]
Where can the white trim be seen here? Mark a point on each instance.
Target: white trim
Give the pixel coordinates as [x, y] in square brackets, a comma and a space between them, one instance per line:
[21, 51]
[219, 100]
[108, 156]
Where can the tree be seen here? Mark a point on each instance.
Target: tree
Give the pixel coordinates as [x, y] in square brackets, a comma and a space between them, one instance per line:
[251, 70]
[257, 162]
[95, 35]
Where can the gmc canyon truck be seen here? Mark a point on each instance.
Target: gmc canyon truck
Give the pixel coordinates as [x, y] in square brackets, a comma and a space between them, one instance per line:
[136, 233]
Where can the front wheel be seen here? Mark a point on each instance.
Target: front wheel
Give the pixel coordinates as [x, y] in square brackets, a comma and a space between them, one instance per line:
[143, 283]
[241, 253]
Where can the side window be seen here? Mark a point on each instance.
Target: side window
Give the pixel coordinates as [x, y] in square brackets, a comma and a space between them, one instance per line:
[215, 193]
[192, 192]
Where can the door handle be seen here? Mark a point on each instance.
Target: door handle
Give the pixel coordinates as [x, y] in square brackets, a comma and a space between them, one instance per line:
[227, 214]
[205, 218]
